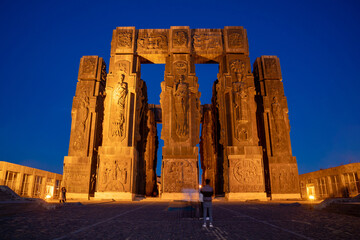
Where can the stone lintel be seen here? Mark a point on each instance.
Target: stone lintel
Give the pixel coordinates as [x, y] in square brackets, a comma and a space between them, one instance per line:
[154, 45]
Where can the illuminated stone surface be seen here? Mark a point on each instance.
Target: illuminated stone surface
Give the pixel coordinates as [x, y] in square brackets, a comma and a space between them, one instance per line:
[245, 143]
[341, 181]
[29, 182]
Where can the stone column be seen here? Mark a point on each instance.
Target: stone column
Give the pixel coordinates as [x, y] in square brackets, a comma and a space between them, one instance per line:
[180, 104]
[123, 109]
[243, 162]
[150, 156]
[280, 166]
[85, 137]
[208, 153]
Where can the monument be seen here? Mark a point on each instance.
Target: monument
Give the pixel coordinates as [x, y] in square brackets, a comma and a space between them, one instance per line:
[245, 145]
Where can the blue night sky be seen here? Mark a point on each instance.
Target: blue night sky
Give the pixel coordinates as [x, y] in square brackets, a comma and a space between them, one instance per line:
[318, 43]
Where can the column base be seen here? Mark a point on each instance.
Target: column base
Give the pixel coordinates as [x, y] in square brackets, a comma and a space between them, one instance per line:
[114, 195]
[76, 195]
[246, 196]
[192, 197]
[285, 196]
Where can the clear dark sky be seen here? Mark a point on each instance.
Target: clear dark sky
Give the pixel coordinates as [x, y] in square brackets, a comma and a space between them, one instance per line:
[318, 43]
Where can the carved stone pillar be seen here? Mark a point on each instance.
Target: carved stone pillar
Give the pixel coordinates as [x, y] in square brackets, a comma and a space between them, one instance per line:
[208, 154]
[124, 107]
[85, 138]
[243, 163]
[280, 166]
[180, 106]
[150, 156]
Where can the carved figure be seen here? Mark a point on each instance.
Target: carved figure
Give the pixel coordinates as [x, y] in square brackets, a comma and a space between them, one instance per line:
[238, 67]
[92, 182]
[181, 108]
[103, 72]
[119, 96]
[203, 41]
[89, 65]
[278, 118]
[178, 176]
[122, 66]
[125, 39]
[120, 174]
[180, 39]
[242, 134]
[106, 175]
[236, 40]
[156, 40]
[180, 68]
[81, 118]
[241, 103]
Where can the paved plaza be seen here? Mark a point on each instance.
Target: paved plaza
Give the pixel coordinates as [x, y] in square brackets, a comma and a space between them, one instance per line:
[173, 220]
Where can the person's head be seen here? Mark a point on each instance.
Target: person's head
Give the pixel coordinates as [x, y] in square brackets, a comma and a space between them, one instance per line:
[207, 181]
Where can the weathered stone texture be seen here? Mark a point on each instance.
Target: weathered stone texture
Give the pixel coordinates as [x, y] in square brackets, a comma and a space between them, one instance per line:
[180, 104]
[208, 154]
[150, 156]
[85, 138]
[280, 165]
[245, 142]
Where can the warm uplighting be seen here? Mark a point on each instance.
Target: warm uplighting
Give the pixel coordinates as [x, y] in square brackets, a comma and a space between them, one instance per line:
[48, 197]
[199, 185]
[311, 197]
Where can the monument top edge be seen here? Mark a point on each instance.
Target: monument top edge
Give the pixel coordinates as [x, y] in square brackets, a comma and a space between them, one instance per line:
[181, 27]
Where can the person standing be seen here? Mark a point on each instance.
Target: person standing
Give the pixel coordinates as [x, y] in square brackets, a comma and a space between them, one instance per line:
[63, 195]
[207, 192]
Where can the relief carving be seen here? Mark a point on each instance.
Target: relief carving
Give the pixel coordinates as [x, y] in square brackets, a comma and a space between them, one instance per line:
[207, 41]
[241, 111]
[181, 108]
[279, 133]
[103, 73]
[271, 67]
[114, 175]
[236, 39]
[155, 40]
[82, 115]
[122, 66]
[180, 38]
[247, 172]
[125, 38]
[180, 68]
[140, 107]
[240, 102]
[238, 67]
[179, 175]
[283, 179]
[89, 65]
[119, 106]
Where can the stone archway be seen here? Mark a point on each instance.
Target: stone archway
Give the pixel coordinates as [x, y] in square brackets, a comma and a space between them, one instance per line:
[245, 137]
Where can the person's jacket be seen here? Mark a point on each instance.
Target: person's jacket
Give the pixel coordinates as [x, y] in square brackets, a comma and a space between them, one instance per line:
[207, 192]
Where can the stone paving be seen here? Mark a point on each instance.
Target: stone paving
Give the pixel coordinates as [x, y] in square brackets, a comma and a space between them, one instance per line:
[169, 220]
